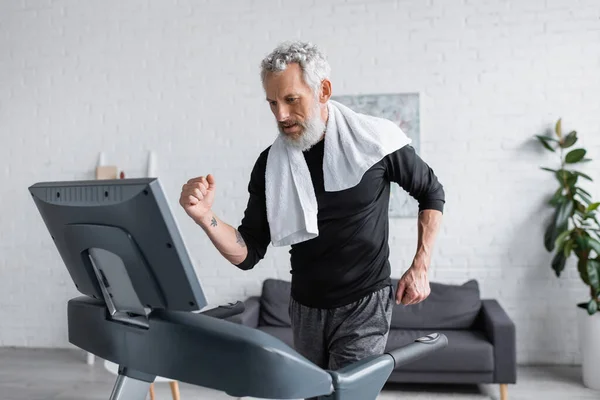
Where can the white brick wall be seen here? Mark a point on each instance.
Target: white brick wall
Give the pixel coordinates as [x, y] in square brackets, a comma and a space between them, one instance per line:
[181, 78]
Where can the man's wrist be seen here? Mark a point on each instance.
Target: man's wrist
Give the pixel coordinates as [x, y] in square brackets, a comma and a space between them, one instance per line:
[421, 261]
[208, 220]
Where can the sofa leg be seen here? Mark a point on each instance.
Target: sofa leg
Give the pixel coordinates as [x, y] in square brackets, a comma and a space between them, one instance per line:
[152, 391]
[175, 390]
[503, 391]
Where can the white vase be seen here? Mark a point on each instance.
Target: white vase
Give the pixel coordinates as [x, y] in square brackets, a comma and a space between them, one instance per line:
[589, 344]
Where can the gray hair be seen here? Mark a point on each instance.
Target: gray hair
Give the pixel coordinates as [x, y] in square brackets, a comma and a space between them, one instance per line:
[312, 61]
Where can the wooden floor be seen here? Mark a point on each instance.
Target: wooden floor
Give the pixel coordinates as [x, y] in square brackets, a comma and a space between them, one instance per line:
[27, 374]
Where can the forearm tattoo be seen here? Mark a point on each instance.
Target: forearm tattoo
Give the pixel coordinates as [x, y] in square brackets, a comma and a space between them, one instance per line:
[213, 221]
[239, 239]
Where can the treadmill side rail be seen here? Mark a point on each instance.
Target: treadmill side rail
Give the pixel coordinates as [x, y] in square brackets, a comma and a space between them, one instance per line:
[177, 345]
[362, 380]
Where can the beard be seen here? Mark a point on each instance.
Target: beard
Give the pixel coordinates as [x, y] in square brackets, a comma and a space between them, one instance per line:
[310, 134]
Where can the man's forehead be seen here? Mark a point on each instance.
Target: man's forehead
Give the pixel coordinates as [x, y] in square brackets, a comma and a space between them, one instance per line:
[285, 87]
[282, 91]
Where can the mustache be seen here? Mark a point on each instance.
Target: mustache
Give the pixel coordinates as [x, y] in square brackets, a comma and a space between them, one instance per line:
[289, 124]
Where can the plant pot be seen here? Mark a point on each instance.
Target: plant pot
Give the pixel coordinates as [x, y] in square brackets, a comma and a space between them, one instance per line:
[589, 345]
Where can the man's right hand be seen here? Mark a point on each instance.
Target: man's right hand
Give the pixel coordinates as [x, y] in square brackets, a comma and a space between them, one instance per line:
[197, 197]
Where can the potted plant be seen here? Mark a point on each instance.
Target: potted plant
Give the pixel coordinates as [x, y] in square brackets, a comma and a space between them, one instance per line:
[574, 230]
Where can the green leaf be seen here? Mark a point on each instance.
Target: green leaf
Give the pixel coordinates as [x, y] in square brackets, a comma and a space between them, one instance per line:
[582, 267]
[560, 240]
[581, 174]
[568, 248]
[558, 198]
[550, 236]
[585, 199]
[552, 231]
[585, 196]
[596, 230]
[596, 262]
[547, 138]
[592, 307]
[580, 207]
[575, 156]
[594, 244]
[558, 263]
[572, 181]
[593, 277]
[562, 176]
[569, 140]
[563, 214]
[582, 242]
[544, 140]
[583, 191]
[548, 169]
[566, 178]
[558, 128]
[593, 206]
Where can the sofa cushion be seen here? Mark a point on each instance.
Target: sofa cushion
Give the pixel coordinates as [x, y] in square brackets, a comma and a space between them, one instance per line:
[447, 307]
[467, 351]
[281, 333]
[274, 303]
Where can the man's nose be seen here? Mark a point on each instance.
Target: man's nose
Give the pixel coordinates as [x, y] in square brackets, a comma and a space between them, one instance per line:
[282, 113]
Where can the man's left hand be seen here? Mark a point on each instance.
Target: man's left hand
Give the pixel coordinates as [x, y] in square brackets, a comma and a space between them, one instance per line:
[413, 287]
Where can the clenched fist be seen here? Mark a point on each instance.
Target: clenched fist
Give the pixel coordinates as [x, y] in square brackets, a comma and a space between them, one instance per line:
[414, 286]
[197, 196]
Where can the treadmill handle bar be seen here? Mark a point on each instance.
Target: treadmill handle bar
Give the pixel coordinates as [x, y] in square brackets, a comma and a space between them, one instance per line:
[421, 347]
[225, 311]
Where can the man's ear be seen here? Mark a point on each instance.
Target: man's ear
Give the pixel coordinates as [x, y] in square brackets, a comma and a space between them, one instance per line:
[325, 91]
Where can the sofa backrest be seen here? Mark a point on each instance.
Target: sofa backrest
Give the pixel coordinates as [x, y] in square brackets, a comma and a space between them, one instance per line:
[448, 306]
[274, 303]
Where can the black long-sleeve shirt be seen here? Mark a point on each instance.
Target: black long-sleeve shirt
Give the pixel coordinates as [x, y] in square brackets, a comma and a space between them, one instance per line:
[349, 258]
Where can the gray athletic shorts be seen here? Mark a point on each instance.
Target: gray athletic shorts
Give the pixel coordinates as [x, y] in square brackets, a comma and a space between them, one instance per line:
[334, 338]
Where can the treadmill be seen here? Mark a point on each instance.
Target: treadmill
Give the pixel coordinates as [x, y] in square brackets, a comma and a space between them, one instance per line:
[142, 306]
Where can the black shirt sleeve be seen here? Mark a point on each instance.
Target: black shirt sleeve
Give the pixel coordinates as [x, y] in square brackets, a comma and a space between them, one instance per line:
[254, 226]
[405, 167]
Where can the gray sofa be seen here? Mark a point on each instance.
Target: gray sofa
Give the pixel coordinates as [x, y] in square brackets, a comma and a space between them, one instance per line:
[481, 336]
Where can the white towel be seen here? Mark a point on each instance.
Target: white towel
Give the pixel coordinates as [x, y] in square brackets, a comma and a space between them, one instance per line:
[354, 142]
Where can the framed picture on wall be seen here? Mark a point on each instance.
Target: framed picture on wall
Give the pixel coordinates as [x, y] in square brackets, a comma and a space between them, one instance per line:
[402, 109]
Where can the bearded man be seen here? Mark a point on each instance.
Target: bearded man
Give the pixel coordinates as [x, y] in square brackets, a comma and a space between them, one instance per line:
[323, 188]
